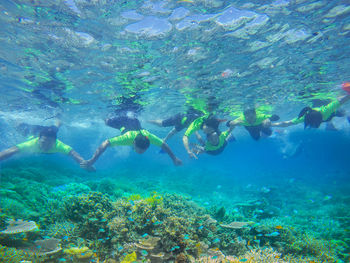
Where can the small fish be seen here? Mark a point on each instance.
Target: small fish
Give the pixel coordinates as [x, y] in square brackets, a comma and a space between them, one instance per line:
[62, 260]
[144, 253]
[103, 220]
[243, 260]
[93, 219]
[173, 248]
[120, 248]
[216, 240]
[273, 234]
[101, 230]
[327, 197]
[186, 237]
[145, 235]
[65, 238]
[130, 219]
[279, 227]
[200, 228]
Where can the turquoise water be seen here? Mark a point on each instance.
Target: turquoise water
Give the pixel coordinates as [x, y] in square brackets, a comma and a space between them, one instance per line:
[283, 198]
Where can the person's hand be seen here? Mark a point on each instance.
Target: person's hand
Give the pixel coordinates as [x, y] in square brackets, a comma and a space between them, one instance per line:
[266, 123]
[86, 165]
[192, 155]
[177, 161]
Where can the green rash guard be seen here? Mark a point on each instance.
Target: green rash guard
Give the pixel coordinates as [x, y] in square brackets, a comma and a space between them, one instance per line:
[128, 138]
[260, 117]
[326, 112]
[195, 125]
[222, 138]
[32, 146]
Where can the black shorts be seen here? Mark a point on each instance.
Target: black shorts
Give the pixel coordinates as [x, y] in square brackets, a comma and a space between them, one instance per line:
[175, 121]
[119, 122]
[255, 131]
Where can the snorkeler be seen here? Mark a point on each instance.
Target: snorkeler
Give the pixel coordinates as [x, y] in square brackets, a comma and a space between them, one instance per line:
[179, 121]
[313, 117]
[215, 144]
[208, 123]
[254, 122]
[132, 135]
[46, 142]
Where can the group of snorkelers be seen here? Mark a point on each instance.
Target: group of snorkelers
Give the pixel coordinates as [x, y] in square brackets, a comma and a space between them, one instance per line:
[132, 134]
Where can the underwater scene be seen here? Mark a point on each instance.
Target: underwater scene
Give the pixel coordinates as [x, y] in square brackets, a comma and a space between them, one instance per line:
[174, 131]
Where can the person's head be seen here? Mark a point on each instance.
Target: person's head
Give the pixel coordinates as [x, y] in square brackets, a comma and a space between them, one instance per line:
[213, 138]
[47, 138]
[250, 115]
[210, 125]
[141, 143]
[312, 118]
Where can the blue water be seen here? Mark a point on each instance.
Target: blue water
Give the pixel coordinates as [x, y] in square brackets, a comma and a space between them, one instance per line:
[80, 61]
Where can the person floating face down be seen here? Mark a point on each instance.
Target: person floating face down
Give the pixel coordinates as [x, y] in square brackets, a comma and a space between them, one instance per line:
[48, 143]
[313, 117]
[209, 124]
[216, 141]
[255, 123]
[179, 121]
[132, 135]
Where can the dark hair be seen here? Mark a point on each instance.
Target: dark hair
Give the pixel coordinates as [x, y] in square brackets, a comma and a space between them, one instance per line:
[49, 132]
[212, 122]
[312, 117]
[142, 141]
[249, 111]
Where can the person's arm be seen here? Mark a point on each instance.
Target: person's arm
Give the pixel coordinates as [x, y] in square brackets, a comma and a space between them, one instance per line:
[187, 147]
[200, 139]
[83, 163]
[283, 124]
[8, 153]
[167, 149]
[344, 99]
[234, 123]
[170, 134]
[98, 152]
[229, 131]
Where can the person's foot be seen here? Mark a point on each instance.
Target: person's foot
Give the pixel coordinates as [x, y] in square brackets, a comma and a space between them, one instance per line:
[156, 122]
[330, 126]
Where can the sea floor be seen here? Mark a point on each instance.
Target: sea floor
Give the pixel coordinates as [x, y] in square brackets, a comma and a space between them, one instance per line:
[50, 213]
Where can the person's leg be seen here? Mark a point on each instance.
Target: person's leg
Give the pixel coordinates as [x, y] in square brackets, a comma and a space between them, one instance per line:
[156, 122]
